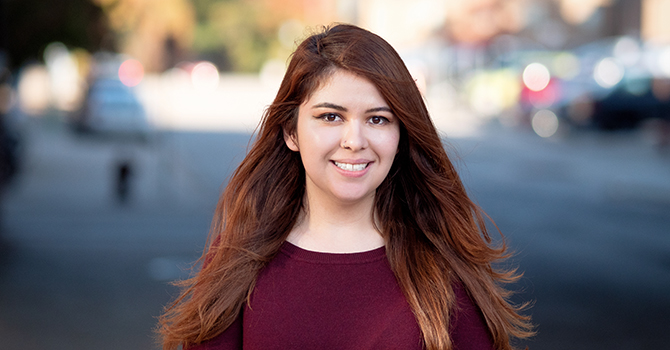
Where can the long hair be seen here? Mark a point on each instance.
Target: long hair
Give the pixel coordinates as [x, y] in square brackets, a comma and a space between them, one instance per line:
[435, 235]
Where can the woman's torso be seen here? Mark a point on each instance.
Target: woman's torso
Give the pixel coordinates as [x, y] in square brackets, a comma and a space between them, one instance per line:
[312, 300]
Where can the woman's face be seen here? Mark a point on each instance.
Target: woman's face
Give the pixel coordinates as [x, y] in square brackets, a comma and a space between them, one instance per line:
[347, 138]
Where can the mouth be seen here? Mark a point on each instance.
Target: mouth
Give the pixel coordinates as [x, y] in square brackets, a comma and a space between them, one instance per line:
[351, 167]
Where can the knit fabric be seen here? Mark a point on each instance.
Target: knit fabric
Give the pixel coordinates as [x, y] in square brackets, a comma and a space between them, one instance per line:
[312, 300]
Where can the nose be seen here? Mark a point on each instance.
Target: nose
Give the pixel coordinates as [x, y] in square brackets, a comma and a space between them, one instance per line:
[353, 137]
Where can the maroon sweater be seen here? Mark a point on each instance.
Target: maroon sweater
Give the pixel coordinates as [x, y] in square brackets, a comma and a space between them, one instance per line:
[311, 300]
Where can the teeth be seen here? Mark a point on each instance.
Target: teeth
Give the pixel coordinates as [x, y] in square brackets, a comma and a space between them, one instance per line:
[351, 167]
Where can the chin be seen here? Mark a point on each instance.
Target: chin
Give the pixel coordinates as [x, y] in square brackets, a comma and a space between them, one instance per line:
[353, 198]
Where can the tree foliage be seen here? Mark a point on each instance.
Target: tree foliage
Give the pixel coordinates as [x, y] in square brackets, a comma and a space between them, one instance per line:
[237, 35]
[30, 25]
[237, 30]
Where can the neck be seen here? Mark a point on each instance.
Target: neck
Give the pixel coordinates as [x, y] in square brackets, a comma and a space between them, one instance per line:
[326, 226]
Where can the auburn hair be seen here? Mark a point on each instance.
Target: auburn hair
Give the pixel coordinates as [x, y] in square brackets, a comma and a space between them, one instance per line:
[435, 235]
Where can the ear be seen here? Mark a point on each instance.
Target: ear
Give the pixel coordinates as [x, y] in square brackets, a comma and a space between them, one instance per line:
[291, 142]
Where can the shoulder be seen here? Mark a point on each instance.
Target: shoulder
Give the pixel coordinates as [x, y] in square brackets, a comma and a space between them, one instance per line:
[468, 328]
[230, 339]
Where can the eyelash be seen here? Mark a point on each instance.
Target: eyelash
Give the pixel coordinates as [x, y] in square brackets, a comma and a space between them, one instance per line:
[383, 120]
[324, 116]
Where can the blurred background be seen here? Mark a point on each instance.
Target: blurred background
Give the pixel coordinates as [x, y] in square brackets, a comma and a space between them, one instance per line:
[120, 121]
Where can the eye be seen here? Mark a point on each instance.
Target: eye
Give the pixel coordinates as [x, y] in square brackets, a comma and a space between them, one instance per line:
[329, 117]
[377, 120]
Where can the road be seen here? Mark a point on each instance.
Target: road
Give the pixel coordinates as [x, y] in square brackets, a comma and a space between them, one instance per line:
[586, 214]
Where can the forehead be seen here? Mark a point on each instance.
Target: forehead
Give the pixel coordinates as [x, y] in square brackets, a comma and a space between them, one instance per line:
[345, 87]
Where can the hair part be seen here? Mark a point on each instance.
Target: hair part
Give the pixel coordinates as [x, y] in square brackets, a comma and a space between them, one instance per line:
[435, 235]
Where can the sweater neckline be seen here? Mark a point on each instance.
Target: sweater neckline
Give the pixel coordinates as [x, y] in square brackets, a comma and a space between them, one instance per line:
[297, 253]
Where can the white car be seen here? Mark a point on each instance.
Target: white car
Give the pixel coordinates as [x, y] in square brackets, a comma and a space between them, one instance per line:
[112, 108]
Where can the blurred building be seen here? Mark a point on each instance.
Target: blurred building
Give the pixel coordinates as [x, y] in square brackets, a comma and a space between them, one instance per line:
[556, 24]
[655, 25]
[157, 33]
[162, 32]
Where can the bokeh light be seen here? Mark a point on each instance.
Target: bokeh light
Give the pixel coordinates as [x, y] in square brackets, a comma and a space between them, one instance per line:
[608, 73]
[545, 123]
[272, 72]
[566, 66]
[536, 76]
[205, 76]
[64, 77]
[33, 89]
[131, 72]
[627, 51]
[490, 93]
[581, 110]
[289, 32]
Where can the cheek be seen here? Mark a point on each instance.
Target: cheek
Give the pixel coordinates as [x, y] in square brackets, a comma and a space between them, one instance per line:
[318, 137]
[387, 144]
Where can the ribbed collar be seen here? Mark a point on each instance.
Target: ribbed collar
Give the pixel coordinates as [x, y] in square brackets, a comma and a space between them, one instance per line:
[297, 253]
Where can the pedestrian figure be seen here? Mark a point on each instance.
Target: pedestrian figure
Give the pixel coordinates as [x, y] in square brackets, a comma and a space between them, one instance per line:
[346, 226]
[123, 177]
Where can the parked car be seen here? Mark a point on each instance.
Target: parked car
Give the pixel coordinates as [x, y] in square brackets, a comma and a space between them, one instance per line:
[112, 108]
[614, 83]
[617, 87]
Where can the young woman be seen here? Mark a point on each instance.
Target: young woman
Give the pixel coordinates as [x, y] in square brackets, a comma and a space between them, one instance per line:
[346, 225]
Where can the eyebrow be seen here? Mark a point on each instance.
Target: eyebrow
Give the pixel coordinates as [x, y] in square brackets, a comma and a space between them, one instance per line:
[344, 109]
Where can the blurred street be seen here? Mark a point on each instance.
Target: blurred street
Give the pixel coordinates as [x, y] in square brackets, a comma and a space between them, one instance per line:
[81, 270]
[586, 214]
[588, 219]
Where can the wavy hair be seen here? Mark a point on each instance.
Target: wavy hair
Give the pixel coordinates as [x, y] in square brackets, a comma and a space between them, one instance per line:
[435, 235]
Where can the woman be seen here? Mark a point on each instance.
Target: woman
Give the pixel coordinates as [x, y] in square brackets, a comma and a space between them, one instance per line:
[346, 225]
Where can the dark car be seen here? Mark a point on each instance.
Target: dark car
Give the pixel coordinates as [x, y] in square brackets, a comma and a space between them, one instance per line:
[629, 104]
[617, 88]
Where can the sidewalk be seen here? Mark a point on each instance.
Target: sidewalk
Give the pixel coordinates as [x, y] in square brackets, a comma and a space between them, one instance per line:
[80, 270]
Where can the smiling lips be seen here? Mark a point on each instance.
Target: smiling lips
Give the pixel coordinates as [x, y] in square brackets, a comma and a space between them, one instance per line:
[351, 167]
